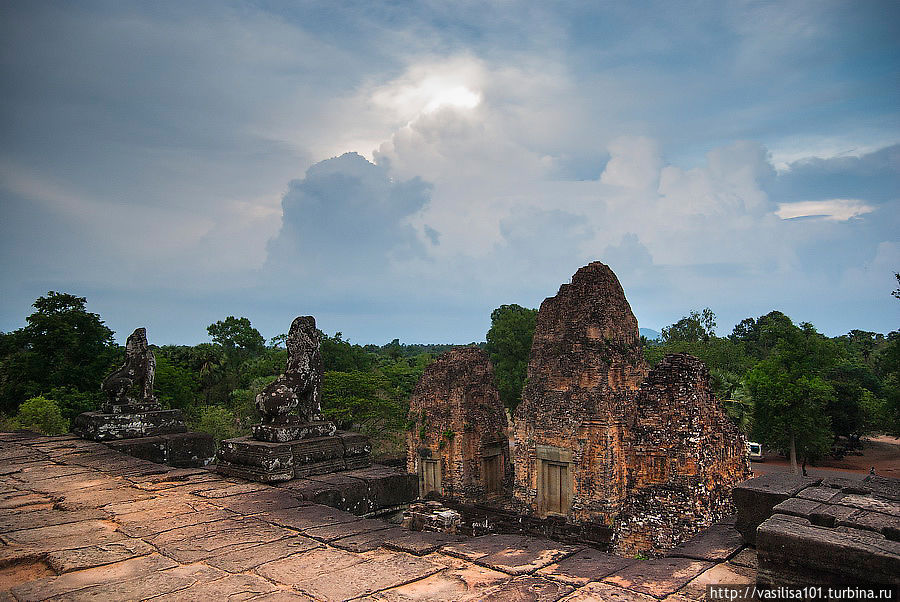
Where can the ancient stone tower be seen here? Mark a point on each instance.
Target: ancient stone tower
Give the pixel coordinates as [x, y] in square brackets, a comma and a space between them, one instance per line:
[599, 442]
[585, 367]
[458, 441]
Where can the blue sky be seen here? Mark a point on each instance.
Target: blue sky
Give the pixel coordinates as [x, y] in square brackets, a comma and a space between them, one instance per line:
[398, 170]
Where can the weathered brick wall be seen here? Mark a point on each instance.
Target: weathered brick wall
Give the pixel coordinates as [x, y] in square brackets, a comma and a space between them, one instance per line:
[455, 414]
[649, 454]
[685, 457]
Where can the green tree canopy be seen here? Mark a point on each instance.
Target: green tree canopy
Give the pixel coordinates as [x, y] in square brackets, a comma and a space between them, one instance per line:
[509, 345]
[791, 397]
[696, 327]
[236, 333]
[62, 345]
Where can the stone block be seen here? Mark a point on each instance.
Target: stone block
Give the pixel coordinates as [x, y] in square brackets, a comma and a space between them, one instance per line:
[756, 498]
[716, 544]
[98, 426]
[147, 448]
[797, 506]
[658, 577]
[254, 473]
[190, 450]
[246, 451]
[280, 433]
[793, 552]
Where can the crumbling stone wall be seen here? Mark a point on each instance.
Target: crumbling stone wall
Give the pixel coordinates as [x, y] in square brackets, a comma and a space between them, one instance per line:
[685, 456]
[457, 419]
[602, 440]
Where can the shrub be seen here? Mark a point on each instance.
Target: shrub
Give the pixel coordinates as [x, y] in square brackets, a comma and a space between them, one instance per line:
[217, 421]
[41, 415]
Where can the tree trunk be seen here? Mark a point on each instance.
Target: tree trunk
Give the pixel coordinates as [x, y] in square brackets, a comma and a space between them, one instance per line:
[794, 468]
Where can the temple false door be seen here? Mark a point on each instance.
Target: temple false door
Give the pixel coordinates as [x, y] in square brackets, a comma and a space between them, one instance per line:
[492, 469]
[554, 480]
[429, 476]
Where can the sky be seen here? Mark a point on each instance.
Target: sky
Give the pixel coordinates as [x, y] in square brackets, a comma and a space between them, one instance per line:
[400, 169]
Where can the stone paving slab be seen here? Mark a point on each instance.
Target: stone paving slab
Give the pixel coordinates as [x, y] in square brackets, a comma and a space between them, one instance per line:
[717, 543]
[366, 542]
[514, 554]
[229, 587]
[245, 559]
[67, 536]
[420, 543]
[258, 501]
[339, 530]
[66, 561]
[308, 517]
[42, 589]
[720, 574]
[375, 573]
[607, 593]
[459, 584]
[528, 588]
[658, 577]
[585, 566]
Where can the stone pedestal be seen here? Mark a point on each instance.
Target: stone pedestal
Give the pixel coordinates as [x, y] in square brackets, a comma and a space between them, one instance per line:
[269, 462]
[133, 418]
[110, 426]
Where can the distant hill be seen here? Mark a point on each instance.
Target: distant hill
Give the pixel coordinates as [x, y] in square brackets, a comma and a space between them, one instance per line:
[650, 333]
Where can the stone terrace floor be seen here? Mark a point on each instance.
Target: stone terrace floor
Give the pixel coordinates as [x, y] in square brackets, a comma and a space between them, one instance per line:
[79, 521]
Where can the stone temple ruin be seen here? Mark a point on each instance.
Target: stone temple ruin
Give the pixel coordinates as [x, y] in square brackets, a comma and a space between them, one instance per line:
[294, 440]
[458, 442]
[132, 419]
[603, 444]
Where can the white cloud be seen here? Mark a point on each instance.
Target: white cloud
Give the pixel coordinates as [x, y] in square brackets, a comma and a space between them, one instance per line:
[838, 210]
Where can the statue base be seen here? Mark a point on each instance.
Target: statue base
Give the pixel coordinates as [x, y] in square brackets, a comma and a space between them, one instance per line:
[272, 461]
[282, 433]
[182, 450]
[111, 426]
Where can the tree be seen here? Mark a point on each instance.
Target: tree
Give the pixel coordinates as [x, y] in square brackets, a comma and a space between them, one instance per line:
[509, 345]
[896, 291]
[62, 345]
[696, 327]
[790, 396]
[236, 333]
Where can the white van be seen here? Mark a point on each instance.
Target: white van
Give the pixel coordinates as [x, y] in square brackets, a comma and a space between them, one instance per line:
[755, 451]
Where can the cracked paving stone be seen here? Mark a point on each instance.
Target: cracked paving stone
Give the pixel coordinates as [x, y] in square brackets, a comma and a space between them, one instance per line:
[48, 587]
[514, 554]
[458, 584]
[528, 589]
[608, 593]
[366, 542]
[245, 559]
[231, 587]
[585, 566]
[716, 544]
[339, 530]
[658, 577]
[377, 572]
[720, 574]
[65, 561]
[308, 517]
[68, 536]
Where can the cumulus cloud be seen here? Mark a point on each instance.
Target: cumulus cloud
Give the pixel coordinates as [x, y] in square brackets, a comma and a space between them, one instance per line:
[345, 222]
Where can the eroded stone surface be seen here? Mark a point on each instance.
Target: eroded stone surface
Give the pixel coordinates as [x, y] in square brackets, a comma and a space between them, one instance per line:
[658, 577]
[585, 566]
